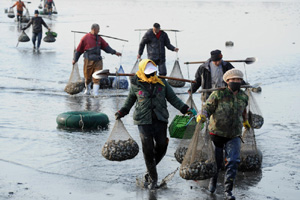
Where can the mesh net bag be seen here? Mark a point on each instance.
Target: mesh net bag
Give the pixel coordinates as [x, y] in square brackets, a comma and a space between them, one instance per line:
[120, 145]
[49, 38]
[176, 73]
[11, 13]
[135, 68]
[256, 119]
[54, 10]
[23, 37]
[199, 161]
[120, 82]
[75, 84]
[188, 133]
[251, 156]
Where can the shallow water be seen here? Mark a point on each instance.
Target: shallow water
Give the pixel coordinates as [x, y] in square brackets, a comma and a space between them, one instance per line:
[39, 161]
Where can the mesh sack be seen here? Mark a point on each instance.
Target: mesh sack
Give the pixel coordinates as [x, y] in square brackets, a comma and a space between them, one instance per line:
[49, 38]
[75, 83]
[199, 161]
[188, 134]
[11, 13]
[250, 155]
[256, 119]
[54, 11]
[135, 68]
[23, 37]
[176, 73]
[120, 82]
[120, 145]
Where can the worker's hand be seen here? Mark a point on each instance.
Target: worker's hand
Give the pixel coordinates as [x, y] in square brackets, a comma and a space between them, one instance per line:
[49, 29]
[118, 54]
[138, 56]
[118, 115]
[23, 29]
[176, 49]
[201, 118]
[246, 124]
[189, 91]
[191, 111]
[73, 62]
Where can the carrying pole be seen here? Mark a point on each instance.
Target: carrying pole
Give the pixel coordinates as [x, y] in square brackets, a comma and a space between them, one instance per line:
[102, 36]
[222, 88]
[163, 77]
[171, 30]
[247, 61]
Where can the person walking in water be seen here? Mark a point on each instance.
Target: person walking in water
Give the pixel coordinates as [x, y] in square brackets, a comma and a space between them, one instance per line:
[20, 4]
[91, 45]
[227, 112]
[150, 94]
[37, 30]
[156, 41]
[49, 4]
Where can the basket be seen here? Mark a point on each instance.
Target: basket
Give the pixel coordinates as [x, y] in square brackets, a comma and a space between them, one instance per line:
[182, 126]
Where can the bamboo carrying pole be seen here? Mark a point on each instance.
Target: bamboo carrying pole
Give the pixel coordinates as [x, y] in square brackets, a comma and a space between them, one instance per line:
[102, 36]
[222, 88]
[247, 61]
[126, 74]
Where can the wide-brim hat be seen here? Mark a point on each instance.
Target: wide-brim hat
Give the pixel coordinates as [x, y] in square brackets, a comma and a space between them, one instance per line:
[233, 73]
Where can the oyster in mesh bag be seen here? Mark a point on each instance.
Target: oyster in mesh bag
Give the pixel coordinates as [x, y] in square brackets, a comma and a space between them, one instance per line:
[75, 84]
[180, 153]
[198, 170]
[120, 145]
[23, 37]
[49, 38]
[250, 155]
[199, 160]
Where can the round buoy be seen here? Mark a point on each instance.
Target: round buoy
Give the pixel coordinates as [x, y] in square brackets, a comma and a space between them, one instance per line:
[229, 44]
[82, 120]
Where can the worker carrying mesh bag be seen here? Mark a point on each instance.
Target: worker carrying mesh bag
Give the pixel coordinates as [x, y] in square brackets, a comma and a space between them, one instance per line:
[120, 145]
[226, 109]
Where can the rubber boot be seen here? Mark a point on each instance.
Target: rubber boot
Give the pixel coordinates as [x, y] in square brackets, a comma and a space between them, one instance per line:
[87, 90]
[96, 89]
[228, 190]
[213, 183]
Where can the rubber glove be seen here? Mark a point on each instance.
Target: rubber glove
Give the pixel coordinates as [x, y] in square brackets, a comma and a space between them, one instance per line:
[191, 111]
[246, 124]
[118, 115]
[201, 118]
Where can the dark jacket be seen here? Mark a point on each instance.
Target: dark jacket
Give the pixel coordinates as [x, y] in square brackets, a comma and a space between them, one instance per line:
[150, 100]
[203, 76]
[37, 23]
[155, 47]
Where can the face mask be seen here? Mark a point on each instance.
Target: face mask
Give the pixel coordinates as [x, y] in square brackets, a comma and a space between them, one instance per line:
[149, 75]
[234, 86]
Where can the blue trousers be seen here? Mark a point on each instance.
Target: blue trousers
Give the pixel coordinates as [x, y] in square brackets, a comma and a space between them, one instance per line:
[232, 158]
[39, 36]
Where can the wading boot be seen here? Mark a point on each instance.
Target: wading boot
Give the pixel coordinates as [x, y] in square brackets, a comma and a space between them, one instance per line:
[153, 185]
[96, 89]
[146, 180]
[213, 183]
[228, 190]
[87, 90]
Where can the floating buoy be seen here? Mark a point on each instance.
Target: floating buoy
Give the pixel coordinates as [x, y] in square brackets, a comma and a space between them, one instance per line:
[82, 120]
[229, 43]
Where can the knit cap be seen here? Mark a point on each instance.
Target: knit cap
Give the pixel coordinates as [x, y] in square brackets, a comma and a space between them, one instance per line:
[233, 73]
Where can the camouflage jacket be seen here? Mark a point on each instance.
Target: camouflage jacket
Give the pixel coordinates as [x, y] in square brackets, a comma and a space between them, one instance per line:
[226, 112]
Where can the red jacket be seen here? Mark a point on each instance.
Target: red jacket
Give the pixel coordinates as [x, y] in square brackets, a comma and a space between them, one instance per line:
[89, 41]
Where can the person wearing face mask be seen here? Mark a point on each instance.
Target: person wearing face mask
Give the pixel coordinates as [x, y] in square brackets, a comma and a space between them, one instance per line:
[156, 41]
[150, 94]
[226, 110]
[210, 74]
